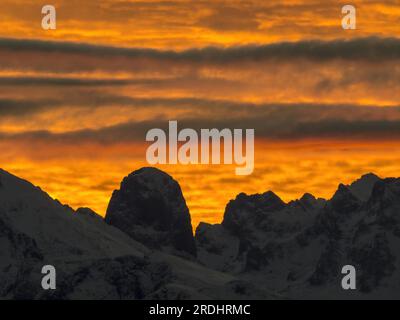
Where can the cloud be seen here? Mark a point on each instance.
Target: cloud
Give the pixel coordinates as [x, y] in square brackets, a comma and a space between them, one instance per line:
[112, 93]
[59, 81]
[324, 71]
[372, 49]
[16, 107]
[269, 121]
[201, 107]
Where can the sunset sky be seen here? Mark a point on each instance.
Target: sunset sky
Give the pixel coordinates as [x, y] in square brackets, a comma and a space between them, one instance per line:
[76, 102]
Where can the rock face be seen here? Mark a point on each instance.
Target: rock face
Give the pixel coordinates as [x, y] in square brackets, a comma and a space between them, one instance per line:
[150, 208]
[362, 187]
[299, 248]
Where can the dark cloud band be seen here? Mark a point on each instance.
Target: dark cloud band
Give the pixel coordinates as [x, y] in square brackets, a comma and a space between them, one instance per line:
[371, 49]
[270, 122]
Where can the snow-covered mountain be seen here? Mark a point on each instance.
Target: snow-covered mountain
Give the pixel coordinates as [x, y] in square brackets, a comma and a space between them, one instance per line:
[144, 249]
[299, 248]
[94, 260]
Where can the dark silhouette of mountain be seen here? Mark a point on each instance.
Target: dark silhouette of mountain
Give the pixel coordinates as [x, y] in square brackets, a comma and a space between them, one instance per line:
[362, 187]
[144, 249]
[150, 208]
[95, 260]
[298, 249]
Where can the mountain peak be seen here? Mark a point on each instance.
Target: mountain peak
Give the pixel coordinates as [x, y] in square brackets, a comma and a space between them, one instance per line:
[244, 209]
[150, 208]
[271, 197]
[307, 197]
[369, 175]
[310, 202]
[363, 186]
[148, 175]
[149, 171]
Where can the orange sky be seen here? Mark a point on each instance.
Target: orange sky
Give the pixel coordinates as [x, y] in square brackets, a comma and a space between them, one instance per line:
[76, 102]
[182, 24]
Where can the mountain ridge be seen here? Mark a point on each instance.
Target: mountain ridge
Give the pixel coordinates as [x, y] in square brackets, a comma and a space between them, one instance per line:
[94, 260]
[264, 248]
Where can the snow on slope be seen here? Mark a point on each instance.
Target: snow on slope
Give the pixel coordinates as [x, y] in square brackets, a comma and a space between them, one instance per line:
[57, 230]
[93, 259]
[299, 248]
[263, 249]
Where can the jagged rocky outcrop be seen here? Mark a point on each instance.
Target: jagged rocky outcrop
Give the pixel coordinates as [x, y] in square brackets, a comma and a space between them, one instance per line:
[150, 208]
[298, 248]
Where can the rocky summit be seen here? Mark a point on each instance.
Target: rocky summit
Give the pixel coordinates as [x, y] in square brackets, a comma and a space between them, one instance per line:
[149, 207]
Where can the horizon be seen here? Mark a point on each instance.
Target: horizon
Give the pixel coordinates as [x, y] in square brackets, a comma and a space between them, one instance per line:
[195, 225]
[76, 102]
